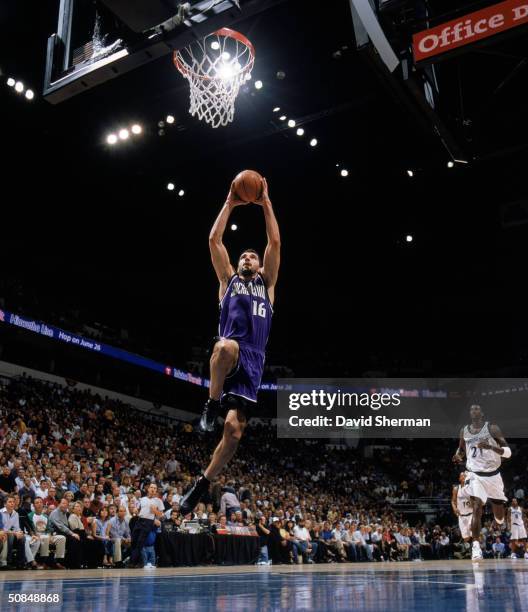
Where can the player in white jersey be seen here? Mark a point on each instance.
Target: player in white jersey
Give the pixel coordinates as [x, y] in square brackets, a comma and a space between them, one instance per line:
[462, 506]
[484, 447]
[517, 527]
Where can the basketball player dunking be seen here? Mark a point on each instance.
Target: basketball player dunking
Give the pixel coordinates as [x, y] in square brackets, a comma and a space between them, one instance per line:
[485, 448]
[237, 362]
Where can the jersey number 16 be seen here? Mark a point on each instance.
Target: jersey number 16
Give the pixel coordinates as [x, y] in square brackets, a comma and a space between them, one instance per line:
[259, 309]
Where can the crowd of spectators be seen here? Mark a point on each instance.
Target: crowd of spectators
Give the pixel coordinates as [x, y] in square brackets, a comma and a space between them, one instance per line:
[88, 481]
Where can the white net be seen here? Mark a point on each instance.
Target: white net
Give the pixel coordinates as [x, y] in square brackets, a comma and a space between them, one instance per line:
[216, 67]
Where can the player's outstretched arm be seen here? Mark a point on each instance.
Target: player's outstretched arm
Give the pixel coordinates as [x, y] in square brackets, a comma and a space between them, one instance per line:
[219, 256]
[458, 457]
[503, 449]
[271, 263]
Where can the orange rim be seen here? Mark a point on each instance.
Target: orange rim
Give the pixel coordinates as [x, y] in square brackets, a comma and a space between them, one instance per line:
[228, 33]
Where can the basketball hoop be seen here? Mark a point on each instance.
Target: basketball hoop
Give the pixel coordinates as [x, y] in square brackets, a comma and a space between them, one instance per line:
[216, 67]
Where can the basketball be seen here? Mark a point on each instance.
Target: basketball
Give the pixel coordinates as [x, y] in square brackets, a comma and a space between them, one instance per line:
[248, 185]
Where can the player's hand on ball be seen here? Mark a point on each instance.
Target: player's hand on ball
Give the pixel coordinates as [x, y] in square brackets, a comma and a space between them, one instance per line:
[232, 198]
[264, 196]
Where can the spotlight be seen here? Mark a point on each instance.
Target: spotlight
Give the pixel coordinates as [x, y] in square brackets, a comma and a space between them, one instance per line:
[19, 87]
[111, 139]
[291, 123]
[410, 173]
[344, 172]
[313, 142]
[215, 45]
[258, 84]
[161, 132]
[226, 56]
[238, 66]
[170, 186]
[161, 124]
[181, 193]
[234, 227]
[136, 129]
[282, 117]
[281, 75]
[408, 238]
[11, 82]
[169, 119]
[225, 72]
[29, 94]
[300, 131]
[124, 134]
[276, 109]
[248, 76]
[450, 164]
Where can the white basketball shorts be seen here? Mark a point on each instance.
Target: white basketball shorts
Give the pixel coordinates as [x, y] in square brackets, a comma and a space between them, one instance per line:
[486, 487]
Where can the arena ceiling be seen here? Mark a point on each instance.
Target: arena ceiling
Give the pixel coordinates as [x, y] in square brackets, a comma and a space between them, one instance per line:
[93, 229]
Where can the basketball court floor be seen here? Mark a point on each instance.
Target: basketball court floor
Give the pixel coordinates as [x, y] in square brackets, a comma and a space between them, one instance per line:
[447, 586]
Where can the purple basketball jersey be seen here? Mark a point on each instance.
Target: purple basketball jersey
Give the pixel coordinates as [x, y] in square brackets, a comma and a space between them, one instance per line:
[245, 313]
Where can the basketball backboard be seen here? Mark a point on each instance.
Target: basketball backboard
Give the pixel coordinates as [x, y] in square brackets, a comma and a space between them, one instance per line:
[447, 62]
[98, 40]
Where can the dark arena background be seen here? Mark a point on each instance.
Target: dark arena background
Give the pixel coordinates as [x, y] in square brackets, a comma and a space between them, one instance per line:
[393, 136]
